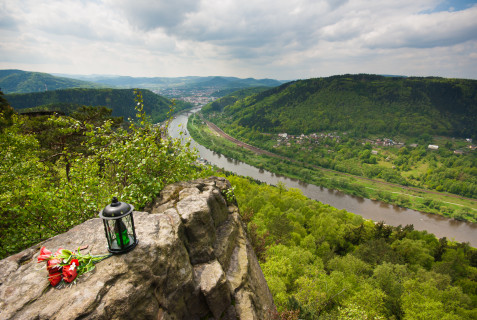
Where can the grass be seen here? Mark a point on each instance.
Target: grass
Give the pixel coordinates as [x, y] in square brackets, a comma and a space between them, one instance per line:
[417, 170]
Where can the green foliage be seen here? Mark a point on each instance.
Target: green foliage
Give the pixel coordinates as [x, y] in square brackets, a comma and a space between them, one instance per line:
[283, 266]
[6, 113]
[430, 296]
[331, 264]
[43, 195]
[229, 195]
[230, 97]
[121, 101]
[362, 104]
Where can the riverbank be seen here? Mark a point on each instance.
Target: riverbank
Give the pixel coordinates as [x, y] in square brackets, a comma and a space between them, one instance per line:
[447, 205]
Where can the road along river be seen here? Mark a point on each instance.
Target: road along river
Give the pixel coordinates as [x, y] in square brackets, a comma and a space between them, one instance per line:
[375, 210]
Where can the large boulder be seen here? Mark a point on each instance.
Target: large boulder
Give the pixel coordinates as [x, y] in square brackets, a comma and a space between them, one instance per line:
[193, 261]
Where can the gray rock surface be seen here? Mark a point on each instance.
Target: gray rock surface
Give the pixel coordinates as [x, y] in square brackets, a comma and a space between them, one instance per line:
[193, 261]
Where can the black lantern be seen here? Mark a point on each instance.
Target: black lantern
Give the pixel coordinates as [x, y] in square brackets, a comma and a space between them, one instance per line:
[119, 226]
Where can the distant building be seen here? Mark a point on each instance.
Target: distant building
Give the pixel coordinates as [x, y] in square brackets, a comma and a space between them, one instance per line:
[458, 152]
[375, 152]
[468, 140]
[282, 135]
[433, 147]
[413, 145]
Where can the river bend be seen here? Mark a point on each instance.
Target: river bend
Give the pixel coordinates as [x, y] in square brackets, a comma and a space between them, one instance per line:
[460, 231]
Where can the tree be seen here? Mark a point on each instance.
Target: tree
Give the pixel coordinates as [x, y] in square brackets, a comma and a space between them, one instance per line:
[430, 296]
[6, 113]
[414, 252]
[20, 171]
[283, 266]
[42, 198]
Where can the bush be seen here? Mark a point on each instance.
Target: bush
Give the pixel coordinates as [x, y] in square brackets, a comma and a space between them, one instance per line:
[40, 199]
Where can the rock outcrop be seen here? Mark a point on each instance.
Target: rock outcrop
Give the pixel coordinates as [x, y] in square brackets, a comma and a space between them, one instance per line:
[193, 261]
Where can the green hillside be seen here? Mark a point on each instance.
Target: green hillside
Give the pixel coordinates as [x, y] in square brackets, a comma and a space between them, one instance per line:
[362, 104]
[369, 126]
[121, 101]
[17, 81]
[230, 96]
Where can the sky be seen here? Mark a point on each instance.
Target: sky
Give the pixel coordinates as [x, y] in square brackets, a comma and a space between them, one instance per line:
[278, 39]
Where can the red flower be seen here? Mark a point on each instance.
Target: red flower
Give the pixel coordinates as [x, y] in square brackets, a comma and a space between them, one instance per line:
[53, 266]
[54, 278]
[71, 271]
[44, 254]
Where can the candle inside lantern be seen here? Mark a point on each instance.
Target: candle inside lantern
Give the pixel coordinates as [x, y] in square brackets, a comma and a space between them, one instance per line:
[121, 232]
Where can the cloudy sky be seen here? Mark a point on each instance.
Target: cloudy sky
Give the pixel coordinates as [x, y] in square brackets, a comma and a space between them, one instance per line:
[281, 39]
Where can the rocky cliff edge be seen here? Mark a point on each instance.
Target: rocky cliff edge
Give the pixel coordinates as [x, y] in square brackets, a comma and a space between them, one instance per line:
[193, 261]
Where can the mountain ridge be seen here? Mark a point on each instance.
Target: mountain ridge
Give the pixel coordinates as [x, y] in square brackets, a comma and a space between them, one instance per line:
[18, 81]
[191, 82]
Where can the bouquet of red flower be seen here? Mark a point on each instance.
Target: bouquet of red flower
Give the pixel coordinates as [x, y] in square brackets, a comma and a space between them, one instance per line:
[66, 265]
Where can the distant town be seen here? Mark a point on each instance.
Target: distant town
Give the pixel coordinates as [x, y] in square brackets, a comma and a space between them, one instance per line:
[198, 97]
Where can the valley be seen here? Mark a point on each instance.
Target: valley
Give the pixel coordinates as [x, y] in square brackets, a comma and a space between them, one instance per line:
[406, 170]
[329, 147]
[374, 210]
[343, 254]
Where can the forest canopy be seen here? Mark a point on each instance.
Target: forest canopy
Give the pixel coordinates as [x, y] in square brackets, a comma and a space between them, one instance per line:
[324, 263]
[120, 101]
[360, 104]
[58, 171]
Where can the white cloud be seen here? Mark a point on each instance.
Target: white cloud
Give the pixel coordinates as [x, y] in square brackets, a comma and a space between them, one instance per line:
[426, 30]
[282, 38]
[148, 15]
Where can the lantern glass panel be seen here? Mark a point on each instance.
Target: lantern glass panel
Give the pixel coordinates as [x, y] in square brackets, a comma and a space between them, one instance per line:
[120, 233]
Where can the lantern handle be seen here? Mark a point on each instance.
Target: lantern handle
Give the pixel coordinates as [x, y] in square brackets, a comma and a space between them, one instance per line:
[115, 202]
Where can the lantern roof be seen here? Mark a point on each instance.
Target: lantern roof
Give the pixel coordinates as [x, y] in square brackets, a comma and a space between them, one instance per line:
[116, 210]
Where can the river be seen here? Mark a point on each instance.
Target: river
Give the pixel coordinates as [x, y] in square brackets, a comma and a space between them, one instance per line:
[369, 209]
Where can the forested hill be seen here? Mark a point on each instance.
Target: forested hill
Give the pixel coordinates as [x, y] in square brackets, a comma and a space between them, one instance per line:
[18, 81]
[363, 104]
[121, 101]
